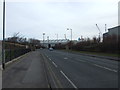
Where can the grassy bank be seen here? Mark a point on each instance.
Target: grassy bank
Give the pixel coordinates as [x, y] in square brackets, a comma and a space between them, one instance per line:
[95, 53]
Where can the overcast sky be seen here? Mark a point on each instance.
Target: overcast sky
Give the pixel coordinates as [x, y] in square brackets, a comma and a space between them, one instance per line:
[33, 18]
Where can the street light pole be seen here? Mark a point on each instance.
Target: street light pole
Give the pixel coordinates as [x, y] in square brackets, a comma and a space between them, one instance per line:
[48, 40]
[57, 37]
[71, 36]
[3, 43]
[71, 32]
[43, 39]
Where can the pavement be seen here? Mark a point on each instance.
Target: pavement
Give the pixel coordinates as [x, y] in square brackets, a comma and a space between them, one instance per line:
[58, 69]
[27, 72]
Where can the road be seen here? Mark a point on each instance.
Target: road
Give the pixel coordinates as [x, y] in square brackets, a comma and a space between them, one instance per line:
[59, 69]
[69, 70]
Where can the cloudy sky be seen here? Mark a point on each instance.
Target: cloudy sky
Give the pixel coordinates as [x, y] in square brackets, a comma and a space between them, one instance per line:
[32, 18]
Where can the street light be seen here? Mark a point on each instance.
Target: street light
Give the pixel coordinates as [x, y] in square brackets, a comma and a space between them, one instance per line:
[43, 39]
[65, 36]
[57, 37]
[48, 40]
[71, 37]
[71, 32]
[3, 43]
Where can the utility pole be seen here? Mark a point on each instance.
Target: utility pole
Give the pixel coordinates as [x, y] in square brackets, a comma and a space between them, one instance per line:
[3, 42]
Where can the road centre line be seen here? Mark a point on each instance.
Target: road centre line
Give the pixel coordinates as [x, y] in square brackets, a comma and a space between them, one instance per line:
[105, 68]
[54, 64]
[68, 79]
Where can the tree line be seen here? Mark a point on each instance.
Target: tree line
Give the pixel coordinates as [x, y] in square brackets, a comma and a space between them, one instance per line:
[17, 41]
[109, 44]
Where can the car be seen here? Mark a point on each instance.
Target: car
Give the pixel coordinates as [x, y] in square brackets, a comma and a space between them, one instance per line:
[51, 49]
[41, 48]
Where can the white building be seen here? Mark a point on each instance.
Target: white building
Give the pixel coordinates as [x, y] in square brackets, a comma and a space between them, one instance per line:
[52, 43]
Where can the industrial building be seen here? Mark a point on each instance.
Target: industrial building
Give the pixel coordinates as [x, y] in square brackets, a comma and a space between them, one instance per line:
[115, 31]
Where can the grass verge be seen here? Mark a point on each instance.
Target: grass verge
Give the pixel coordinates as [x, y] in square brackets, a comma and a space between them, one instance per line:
[95, 53]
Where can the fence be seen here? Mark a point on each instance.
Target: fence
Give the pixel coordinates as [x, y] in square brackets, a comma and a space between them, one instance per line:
[13, 50]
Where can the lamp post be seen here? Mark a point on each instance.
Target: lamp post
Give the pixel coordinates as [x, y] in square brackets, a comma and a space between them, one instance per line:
[3, 42]
[48, 40]
[71, 36]
[71, 32]
[57, 37]
[43, 39]
[65, 36]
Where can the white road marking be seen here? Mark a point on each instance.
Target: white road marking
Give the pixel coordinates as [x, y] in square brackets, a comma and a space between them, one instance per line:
[105, 68]
[81, 60]
[49, 58]
[54, 64]
[68, 80]
[65, 58]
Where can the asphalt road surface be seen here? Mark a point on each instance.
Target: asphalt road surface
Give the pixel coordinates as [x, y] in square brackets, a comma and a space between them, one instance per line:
[58, 69]
[69, 70]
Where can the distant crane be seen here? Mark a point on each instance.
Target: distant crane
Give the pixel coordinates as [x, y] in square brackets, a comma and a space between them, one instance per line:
[100, 33]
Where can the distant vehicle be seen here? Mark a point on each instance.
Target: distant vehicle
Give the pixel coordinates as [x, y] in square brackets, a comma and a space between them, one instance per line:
[51, 49]
[41, 48]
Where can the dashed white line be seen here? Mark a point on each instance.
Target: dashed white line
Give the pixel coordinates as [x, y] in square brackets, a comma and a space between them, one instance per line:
[65, 58]
[68, 79]
[49, 58]
[54, 64]
[81, 60]
[105, 68]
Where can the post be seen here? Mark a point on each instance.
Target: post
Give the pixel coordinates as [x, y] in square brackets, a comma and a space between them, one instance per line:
[48, 40]
[3, 43]
[43, 39]
[71, 35]
[57, 37]
[71, 39]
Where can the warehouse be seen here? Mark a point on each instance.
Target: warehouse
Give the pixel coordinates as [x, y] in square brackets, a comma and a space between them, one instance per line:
[115, 31]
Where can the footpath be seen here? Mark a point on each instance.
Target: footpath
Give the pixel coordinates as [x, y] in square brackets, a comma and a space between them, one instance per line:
[26, 72]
